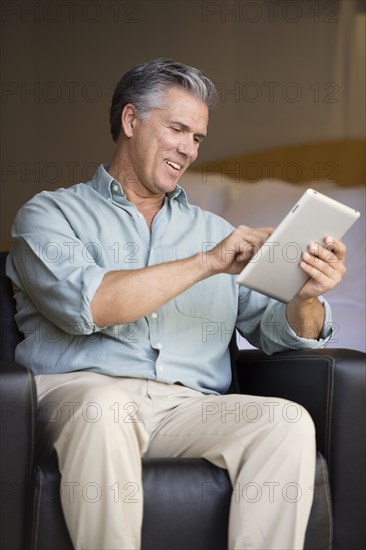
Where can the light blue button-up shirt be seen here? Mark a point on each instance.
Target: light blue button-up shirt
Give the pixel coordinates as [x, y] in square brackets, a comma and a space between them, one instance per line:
[66, 241]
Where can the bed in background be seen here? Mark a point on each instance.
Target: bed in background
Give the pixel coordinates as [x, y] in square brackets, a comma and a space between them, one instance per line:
[259, 189]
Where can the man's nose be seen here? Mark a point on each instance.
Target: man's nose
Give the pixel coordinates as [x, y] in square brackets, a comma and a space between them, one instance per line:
[187, 146]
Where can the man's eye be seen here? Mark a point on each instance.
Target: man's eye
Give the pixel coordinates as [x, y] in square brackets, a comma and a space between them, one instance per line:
[175, 129]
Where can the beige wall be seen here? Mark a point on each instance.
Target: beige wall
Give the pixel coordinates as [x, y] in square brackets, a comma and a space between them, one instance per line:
[285, 73]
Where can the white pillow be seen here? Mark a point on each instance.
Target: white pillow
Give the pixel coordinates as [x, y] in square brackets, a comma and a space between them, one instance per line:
[262, 203]
[210, 192]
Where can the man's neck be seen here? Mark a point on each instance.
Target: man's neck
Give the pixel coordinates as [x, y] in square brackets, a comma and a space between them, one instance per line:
[148, 205]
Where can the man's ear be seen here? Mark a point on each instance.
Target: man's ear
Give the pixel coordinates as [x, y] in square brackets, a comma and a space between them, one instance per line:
[129, 117]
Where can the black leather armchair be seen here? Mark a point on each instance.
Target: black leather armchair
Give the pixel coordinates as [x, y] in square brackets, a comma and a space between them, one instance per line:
[186, 504]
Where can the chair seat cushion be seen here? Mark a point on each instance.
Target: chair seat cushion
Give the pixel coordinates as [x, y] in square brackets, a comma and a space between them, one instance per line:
[186, 507]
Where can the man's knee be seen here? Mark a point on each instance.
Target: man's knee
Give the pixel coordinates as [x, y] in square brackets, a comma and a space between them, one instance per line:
[294, 422]
[265, 413]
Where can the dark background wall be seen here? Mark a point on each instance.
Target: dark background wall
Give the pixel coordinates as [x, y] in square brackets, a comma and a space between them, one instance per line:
[287, 72]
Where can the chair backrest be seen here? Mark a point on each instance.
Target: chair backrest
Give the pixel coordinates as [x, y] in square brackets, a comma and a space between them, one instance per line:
[9, 333]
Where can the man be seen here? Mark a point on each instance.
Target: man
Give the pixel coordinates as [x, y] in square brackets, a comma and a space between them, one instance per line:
[115, 281]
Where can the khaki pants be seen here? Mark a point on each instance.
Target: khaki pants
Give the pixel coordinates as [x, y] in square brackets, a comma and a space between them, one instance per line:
[101, 426]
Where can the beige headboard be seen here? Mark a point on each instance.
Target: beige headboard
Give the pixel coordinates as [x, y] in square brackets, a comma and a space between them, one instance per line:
[340, 162]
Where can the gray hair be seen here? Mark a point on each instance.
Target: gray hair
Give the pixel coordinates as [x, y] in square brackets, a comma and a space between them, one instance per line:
[144, 85]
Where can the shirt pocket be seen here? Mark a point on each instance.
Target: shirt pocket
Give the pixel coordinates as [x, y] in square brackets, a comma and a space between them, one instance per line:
[213, 299]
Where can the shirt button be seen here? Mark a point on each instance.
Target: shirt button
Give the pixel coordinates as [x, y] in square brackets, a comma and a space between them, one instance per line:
[158, 345]
[139, 215]
[154, 315]
[161, 368]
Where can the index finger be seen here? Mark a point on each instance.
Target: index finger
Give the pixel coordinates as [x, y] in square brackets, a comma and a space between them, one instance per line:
[268, 230]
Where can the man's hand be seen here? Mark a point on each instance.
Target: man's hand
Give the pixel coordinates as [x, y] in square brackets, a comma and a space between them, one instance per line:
[326, 268]
[324, 265]
[232, 254]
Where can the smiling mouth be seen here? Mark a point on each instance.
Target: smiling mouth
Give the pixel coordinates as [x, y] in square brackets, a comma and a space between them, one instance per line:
[174, 165]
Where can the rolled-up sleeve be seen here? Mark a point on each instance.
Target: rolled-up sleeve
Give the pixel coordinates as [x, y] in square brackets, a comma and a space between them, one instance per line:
[53, 267]
[263, 322]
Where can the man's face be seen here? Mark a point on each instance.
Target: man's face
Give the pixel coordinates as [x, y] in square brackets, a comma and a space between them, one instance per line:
[162, 146]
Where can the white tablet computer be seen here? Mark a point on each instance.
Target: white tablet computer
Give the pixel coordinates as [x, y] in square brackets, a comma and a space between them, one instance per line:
[275, 269]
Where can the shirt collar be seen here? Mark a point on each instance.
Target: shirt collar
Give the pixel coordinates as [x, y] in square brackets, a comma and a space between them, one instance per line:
[179, 194]
[103, 182]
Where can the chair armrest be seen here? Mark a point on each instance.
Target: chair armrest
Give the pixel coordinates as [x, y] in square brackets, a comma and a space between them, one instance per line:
[331, 385]
[18, 410]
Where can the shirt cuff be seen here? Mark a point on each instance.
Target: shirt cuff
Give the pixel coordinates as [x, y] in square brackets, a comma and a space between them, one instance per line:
[91, 281]
[277, 335]
[292, 340]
